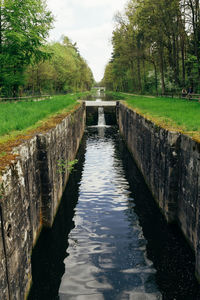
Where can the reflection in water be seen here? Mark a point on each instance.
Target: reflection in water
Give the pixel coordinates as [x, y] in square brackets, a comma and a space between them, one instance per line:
[110, 235]
[107, 253]
[98, 96]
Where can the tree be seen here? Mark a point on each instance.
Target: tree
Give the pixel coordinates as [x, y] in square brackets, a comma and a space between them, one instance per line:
[156, 46]
[192, 9]
[24, 27]
[64, 71]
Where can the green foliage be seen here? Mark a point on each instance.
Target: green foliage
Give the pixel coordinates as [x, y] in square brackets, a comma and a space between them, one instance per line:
[24, 26]
[28, 65]
[116, 95]
[155, 47]
[65, 165]
[64, 72]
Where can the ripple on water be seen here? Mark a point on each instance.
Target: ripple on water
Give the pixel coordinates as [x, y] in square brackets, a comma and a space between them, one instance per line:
[107, 250]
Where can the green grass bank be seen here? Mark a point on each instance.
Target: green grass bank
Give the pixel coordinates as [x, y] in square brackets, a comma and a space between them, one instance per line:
[20, 121]
[172, 113]
[16, 117]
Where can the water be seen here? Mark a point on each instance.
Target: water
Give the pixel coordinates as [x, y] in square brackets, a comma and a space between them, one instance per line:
[101, 117]
[109, 240]
[107, 253]
[99, 96]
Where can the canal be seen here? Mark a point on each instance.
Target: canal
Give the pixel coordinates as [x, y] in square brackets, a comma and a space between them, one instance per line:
[109, 239]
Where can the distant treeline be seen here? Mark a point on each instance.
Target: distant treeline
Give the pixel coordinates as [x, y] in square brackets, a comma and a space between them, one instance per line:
[65, 71]
[30, 65]
[156, 47]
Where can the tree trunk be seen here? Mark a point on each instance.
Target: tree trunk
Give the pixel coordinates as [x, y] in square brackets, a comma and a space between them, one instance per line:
[156, 76]
[183, 61]
[15, 87]
[162, 70]
[195, 24]
[182, 45]
[170, 53]
[139, 74]
[1, 67]
[144, 72]
[0, 29]
[175, 59]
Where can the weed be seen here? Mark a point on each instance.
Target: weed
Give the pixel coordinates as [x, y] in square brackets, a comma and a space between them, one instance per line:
[2, 154]
[65, 165]
[71, 164]
[1, 191]
[72, 119]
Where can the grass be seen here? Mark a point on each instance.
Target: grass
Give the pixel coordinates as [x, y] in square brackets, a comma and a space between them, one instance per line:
[172, 113]
[17, 117]
[20, 121]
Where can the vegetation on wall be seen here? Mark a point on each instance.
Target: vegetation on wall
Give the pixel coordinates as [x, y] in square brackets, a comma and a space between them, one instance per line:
[155, 47]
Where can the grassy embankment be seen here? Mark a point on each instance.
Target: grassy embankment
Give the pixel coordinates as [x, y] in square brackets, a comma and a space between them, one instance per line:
[19, 121]
[171, 113]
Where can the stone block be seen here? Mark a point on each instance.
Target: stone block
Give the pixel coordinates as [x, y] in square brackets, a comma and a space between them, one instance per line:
[31, 189]
[170, 164]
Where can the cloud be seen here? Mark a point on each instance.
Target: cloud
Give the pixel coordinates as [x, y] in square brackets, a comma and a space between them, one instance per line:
[100, 3]
[62, 14]
[94, 46]
[89, 23]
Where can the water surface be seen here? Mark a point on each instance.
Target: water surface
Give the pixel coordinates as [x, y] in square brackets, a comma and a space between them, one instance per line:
[107, 256]
[109, 240]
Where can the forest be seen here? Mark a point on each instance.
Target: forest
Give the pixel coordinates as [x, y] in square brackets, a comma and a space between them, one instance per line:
[29, 64]
[156, 48]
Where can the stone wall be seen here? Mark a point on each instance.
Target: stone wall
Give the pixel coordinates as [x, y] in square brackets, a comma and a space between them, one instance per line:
[92, 115]
[31, 189]
[189, 194]
[170, 164]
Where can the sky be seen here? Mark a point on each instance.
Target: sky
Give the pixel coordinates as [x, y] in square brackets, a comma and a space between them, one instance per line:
[89, 23]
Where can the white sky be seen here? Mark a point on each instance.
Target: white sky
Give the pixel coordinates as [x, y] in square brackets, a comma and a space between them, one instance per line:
[89, 23]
